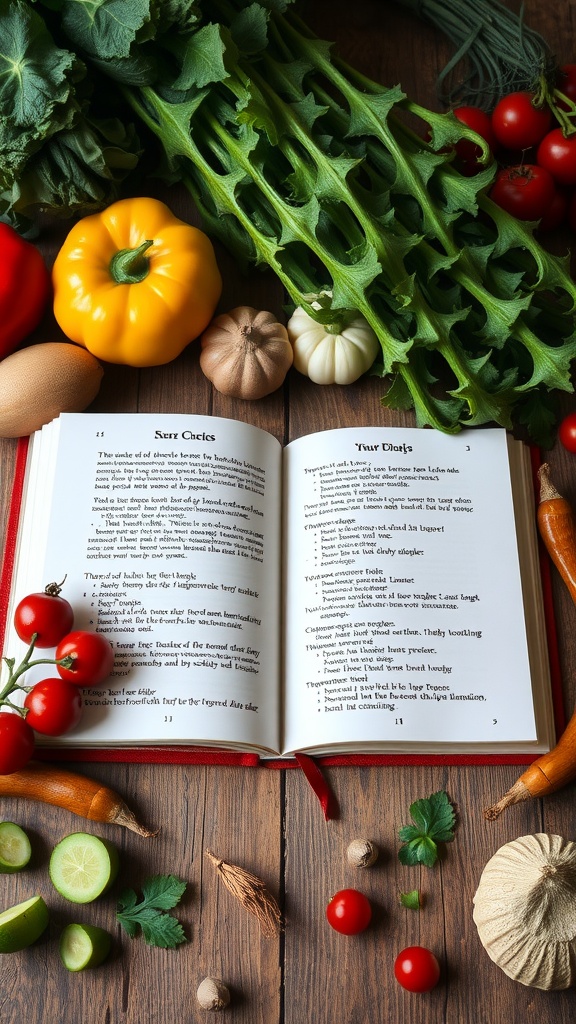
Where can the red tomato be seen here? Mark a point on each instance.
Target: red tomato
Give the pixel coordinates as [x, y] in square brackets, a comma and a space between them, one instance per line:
[54, 706]
[566, 84]
[93, 658]
[525, 191]
[468, 152]
[46, 614]
[16, 742]
[517, 123]
[349, 912]
[558, 155]
[567, 432]
[557, 212]
[417, 969]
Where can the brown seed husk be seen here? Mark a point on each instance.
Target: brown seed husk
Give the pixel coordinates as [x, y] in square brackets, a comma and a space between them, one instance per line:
[251, 892]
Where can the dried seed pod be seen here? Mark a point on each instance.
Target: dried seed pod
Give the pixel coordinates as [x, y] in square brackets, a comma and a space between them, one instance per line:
[251, 892]
[362, 853]
[213, 994]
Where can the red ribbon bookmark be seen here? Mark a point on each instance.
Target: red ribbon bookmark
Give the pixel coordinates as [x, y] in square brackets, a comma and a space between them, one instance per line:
[319, 785]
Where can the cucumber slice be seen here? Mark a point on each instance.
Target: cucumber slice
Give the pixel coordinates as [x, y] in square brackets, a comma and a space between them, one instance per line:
[84, 945]
[22, 924]
[83, 866]
[15, 848]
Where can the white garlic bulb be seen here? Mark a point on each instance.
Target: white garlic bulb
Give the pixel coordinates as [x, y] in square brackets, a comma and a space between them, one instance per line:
[525, 910]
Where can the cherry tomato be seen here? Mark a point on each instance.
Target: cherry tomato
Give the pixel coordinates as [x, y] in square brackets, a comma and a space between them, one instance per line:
[566, 84]
[468, 152]
[558, 155]
[54, 706]
[92, 655]
[517, 123]
[47, 614]
[16, 742]
[525, 191]
[557, 213]
[567, 432]
[349, 912]
[417, 969]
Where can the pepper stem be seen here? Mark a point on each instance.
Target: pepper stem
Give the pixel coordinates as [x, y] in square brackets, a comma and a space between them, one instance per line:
[129, 266]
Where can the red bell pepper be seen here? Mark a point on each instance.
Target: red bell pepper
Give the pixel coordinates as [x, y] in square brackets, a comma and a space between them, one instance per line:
[24, 288]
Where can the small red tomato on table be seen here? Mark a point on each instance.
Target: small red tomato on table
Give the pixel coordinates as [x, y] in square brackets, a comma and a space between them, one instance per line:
[417, 969]
[349, 912]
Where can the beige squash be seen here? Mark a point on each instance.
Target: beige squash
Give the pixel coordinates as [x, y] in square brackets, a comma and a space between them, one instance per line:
[525, 910]
[246, 353]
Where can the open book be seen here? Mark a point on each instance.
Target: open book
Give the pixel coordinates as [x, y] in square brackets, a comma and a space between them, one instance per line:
[363, 589]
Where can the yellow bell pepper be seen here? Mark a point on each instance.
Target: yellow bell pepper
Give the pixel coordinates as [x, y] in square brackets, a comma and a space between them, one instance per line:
[134, 284]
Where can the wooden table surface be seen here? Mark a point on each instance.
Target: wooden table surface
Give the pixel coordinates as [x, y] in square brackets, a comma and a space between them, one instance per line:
[270, 821]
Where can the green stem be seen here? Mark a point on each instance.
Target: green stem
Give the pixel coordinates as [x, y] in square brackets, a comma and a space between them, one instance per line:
[130, 266]
[14, 674]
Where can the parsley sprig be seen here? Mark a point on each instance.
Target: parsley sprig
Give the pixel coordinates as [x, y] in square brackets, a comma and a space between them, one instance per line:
[434, 821]
[159, 894]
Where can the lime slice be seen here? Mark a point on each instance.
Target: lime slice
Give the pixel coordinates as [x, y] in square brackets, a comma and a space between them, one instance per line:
[21, 925]
[15, 849]
[84, 945]
[82, 867]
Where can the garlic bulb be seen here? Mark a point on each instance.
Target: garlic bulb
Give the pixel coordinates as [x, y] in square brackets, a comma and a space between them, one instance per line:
[525, 910]
[330, 355]
[245, 353]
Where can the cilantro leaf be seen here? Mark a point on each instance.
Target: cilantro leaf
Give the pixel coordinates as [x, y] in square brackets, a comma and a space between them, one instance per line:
[159, 893]
[434, 821]
[411, 900]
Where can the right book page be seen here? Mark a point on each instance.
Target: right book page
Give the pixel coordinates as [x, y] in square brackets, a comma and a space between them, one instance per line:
[413, 604]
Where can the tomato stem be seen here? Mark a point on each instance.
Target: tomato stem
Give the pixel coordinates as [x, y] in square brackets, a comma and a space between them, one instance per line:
[14, 674]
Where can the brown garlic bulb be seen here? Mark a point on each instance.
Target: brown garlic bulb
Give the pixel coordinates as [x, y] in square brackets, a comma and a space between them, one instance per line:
[212, 994]
[525, 910]
[246, 353]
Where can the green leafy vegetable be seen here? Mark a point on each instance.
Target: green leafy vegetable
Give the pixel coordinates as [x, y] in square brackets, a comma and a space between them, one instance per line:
[159, 894]
[411, 900]
[299, 163]
[434, 821]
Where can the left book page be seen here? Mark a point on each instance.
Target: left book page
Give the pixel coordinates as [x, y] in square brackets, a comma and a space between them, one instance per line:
[167, 529]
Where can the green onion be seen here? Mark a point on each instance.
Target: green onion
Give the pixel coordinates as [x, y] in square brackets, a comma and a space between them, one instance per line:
[496, 52]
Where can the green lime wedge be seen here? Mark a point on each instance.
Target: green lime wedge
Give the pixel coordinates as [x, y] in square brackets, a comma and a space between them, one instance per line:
[15, 848]
[84, 945]
[21, 925]
[83, 866]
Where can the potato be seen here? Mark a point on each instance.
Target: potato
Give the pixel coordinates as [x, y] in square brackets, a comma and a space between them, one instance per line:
[41, 381]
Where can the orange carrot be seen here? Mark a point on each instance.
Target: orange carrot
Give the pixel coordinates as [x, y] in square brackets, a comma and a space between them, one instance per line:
[548, 773]
[73, 792]
[557, 526]
[551, 771]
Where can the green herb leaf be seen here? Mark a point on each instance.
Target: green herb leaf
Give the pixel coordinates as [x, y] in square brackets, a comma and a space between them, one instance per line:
[411, 900]
[434, 820]
[159, 893]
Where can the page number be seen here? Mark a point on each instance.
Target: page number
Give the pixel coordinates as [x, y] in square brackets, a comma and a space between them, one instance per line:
[167, 718]
[494, 721]
[99, 433]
